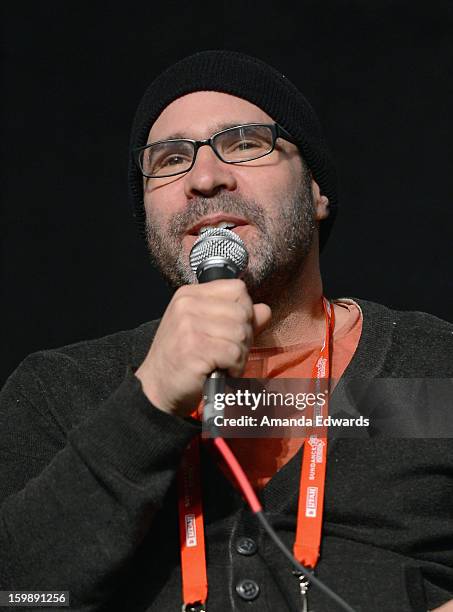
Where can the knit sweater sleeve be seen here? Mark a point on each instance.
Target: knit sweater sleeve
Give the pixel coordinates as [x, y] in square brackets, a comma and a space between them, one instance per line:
[76, 501]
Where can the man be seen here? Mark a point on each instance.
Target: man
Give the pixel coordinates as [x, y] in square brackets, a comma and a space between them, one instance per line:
[93, 435]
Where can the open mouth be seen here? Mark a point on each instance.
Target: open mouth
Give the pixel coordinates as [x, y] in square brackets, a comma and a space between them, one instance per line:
[216, 222]
[221, 225]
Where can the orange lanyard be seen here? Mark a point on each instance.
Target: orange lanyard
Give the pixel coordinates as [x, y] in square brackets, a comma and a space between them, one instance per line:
[311, 496]
[314, 461]
[191, 529]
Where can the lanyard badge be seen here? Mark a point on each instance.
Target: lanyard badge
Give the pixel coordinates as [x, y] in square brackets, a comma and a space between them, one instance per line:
[311, 497]
[191, 530]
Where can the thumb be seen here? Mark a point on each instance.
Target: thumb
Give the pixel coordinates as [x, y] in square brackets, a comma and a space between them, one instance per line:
[262, 317]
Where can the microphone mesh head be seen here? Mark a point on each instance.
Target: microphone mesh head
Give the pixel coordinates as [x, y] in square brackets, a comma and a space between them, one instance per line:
[219, 242]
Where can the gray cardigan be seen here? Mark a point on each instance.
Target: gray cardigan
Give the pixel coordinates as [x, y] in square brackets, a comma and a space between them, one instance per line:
[87, 496]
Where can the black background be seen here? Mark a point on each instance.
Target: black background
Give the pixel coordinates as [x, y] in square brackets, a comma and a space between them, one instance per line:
[377, 71]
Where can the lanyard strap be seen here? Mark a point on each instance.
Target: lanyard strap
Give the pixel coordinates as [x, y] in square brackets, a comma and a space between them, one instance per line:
[311, 495]
[314, 461]
[191, 528]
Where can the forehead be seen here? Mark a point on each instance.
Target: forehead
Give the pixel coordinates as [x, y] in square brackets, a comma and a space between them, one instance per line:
[199, 114]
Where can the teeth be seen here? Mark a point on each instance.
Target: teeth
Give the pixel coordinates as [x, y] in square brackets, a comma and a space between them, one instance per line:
[221, 225]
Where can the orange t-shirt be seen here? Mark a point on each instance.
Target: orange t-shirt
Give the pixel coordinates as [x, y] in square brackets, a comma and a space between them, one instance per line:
[261, 458]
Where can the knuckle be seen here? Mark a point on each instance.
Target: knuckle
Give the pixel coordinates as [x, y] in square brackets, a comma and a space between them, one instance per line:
[235, 352]
[238, 285]
[180, 303]
[182, 291]
[243, 313]
[200, 366]
[242, 333]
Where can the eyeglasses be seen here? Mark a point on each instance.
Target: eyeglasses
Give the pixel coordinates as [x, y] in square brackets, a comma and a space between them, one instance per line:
[234, 145]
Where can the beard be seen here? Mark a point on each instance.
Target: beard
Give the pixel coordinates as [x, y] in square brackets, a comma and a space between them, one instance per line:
[281, 241]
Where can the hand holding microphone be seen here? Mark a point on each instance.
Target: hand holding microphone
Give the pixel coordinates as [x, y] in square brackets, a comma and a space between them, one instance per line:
[205, 328]
[218, 253]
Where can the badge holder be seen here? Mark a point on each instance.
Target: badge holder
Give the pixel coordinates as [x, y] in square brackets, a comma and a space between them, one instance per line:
[193, 607]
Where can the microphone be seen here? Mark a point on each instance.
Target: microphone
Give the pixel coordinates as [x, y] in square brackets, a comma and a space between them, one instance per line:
[217, 253]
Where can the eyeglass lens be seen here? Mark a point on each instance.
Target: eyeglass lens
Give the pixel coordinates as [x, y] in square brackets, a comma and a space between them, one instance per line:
[240, 144]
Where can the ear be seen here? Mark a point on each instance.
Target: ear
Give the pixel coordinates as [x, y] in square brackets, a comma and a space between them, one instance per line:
[320, 202]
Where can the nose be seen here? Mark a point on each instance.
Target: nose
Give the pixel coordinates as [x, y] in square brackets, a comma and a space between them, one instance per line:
[209, 175]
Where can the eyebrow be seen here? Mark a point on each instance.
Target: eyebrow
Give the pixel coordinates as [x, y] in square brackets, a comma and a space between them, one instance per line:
[216, 127]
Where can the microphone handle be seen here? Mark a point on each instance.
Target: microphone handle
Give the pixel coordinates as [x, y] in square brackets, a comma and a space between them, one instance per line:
[215, 383]
[209, 273]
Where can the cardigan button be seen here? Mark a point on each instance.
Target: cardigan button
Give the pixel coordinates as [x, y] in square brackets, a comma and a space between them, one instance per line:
[246, 546]
[247, 589]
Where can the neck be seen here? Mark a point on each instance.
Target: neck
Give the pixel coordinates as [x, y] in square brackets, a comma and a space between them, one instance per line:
[297, 310]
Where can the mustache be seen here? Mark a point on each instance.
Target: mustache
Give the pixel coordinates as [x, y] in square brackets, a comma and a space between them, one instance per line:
[224, 202]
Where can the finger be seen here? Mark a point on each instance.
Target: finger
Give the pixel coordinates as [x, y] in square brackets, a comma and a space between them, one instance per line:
[223, 354]
[262, 317]
[214, 308]
[226, 329]
[233, 289]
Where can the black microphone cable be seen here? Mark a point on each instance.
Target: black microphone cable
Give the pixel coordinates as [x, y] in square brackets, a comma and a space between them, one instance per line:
[219, 253]
[255, 506]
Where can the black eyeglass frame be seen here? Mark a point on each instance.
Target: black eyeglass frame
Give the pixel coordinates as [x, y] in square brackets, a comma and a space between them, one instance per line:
[277, 132]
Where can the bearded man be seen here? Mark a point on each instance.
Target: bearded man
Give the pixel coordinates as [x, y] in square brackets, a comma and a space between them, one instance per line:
[93, 435]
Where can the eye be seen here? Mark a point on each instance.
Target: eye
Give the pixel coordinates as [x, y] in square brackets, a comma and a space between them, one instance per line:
[169, 157]
[242, 146]
[246, 145]
[171, 160]
[245, 142]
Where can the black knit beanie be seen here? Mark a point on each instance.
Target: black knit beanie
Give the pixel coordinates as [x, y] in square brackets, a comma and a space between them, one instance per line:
[253, 80]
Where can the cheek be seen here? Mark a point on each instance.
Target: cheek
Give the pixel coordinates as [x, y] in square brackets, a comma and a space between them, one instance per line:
[269, 185]
[155, 205]
[154, 215]
[163, 199]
